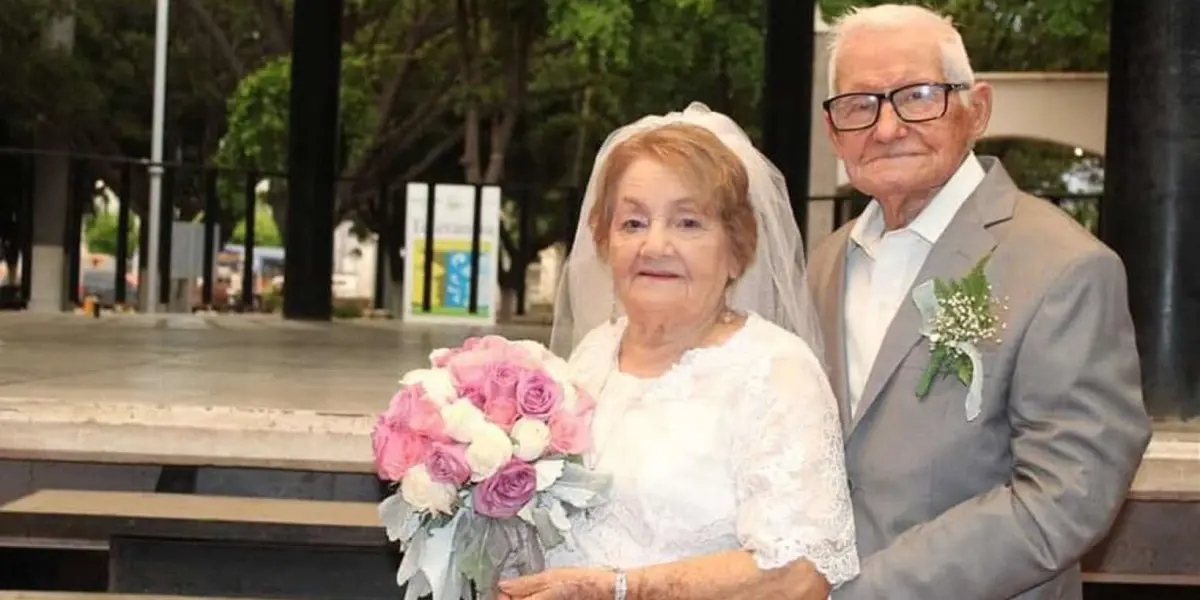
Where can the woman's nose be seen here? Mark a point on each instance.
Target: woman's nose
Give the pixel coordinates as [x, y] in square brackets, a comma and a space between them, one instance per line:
[656, 240]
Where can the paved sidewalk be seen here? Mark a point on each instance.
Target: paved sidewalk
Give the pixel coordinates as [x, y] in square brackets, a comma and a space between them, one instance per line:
[232, 390]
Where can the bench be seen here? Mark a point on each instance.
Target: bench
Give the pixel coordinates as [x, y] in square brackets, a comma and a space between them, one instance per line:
[215, 545]
[219, 545]
[1153, 541]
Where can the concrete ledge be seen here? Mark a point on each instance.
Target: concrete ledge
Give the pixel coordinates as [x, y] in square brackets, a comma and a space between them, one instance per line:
[1152, 542]
[101, 516]
[161, 434]
[307, 440]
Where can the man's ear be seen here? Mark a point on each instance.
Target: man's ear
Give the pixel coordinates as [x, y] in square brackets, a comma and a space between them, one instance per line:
[981, 108]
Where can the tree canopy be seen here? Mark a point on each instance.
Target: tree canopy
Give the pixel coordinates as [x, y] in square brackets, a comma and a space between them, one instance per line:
[521, 92]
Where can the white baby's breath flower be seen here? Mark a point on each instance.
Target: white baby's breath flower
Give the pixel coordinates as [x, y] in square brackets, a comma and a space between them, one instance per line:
[438, 384]
[462, 418]
[490, 449]
[532, 437]
[421, 492]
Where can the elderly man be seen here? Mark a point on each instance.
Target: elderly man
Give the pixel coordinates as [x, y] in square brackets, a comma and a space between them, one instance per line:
[993, 423]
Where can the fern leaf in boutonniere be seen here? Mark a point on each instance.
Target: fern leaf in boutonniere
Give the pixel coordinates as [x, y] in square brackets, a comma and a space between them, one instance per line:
[956, 317]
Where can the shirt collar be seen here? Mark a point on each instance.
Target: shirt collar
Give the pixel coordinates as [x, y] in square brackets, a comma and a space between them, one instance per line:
[933, 220]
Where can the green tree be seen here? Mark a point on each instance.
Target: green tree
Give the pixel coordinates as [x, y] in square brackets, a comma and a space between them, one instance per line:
[100, 233]
[256, 139]
[266, 233]
[1019, 35]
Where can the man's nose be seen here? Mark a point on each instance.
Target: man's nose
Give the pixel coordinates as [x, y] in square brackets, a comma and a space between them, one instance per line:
[890, 127]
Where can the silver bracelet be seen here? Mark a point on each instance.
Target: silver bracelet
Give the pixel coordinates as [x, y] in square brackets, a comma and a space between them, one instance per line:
[621, 585]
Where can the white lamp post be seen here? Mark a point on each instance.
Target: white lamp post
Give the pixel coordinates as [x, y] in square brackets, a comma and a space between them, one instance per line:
[156, 154]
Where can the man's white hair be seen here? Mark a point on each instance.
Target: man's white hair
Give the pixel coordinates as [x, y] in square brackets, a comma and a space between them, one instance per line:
[956, 65]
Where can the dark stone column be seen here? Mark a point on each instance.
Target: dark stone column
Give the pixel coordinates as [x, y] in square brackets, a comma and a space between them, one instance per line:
[1151, 210]
[312, 147]
[787, 96]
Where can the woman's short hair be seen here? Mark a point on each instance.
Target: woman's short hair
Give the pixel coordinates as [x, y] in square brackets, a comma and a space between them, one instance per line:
[699, 157]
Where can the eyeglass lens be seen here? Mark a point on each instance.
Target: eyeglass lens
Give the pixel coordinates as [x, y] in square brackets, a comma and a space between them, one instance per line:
[914, 103]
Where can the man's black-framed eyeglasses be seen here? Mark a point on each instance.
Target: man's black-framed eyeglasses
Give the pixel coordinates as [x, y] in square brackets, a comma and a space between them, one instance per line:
[914, 103]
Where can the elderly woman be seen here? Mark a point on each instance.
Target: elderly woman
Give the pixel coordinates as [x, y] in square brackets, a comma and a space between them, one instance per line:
[685, 314]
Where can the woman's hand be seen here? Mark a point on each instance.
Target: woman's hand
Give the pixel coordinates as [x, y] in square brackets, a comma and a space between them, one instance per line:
[560, 584]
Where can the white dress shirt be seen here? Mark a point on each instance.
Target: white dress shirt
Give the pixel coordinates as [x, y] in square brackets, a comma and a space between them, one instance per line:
[881, 268]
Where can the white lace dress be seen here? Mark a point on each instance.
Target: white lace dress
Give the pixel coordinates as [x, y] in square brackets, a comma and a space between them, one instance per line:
[738, 446]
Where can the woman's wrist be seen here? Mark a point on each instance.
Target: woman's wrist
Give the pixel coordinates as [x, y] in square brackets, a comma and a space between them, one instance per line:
[615, 584]
[620, 585]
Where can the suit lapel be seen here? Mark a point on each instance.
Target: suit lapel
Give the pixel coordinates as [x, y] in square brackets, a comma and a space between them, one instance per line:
[832, 299]
[965, 241]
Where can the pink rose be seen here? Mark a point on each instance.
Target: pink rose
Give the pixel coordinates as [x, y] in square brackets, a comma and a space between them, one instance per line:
[492, 342]
[401, 403]
[507, 491]
[471, 367]
[538, 396]
[501, 410]
[569, 434]
[447, 463]
[413, 410]
[397, 448]
[502, 379]
[474, 393]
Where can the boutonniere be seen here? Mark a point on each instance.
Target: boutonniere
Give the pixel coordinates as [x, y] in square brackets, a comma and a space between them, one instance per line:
[957, 316]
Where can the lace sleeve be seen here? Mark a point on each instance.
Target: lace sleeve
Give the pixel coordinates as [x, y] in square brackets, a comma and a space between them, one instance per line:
[793, 496]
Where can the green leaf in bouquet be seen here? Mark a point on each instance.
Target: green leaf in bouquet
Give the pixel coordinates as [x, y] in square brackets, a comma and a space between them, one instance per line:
[410, 564]
[399, 518]
[471, 545]
[548, 471]
[549, 534]
[518, 546]
[580, 487]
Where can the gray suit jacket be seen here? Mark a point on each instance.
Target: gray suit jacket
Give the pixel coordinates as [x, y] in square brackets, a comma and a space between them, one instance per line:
[1002, 506]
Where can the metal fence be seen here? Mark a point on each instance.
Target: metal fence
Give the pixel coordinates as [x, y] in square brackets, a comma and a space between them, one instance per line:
[536, 216]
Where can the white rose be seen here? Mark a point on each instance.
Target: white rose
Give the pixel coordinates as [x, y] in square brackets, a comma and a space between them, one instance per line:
[489, 450]
[461, 419]
[531, 436]
[570, 402]
[438, 384]
[535, 350]
[421, 492]
[558, 369]
[439, 354]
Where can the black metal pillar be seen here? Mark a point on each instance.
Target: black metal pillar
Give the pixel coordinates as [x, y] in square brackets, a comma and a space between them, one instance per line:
[1151, 210]
[787, 97]
[312, 148]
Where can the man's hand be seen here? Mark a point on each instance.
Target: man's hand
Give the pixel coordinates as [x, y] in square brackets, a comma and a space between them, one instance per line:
[560, 584]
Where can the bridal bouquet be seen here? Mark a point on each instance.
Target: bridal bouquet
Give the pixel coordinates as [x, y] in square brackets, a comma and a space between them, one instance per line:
[484, 451]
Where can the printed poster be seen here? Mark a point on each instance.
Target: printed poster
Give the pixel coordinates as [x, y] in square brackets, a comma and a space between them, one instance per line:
[453, 219]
